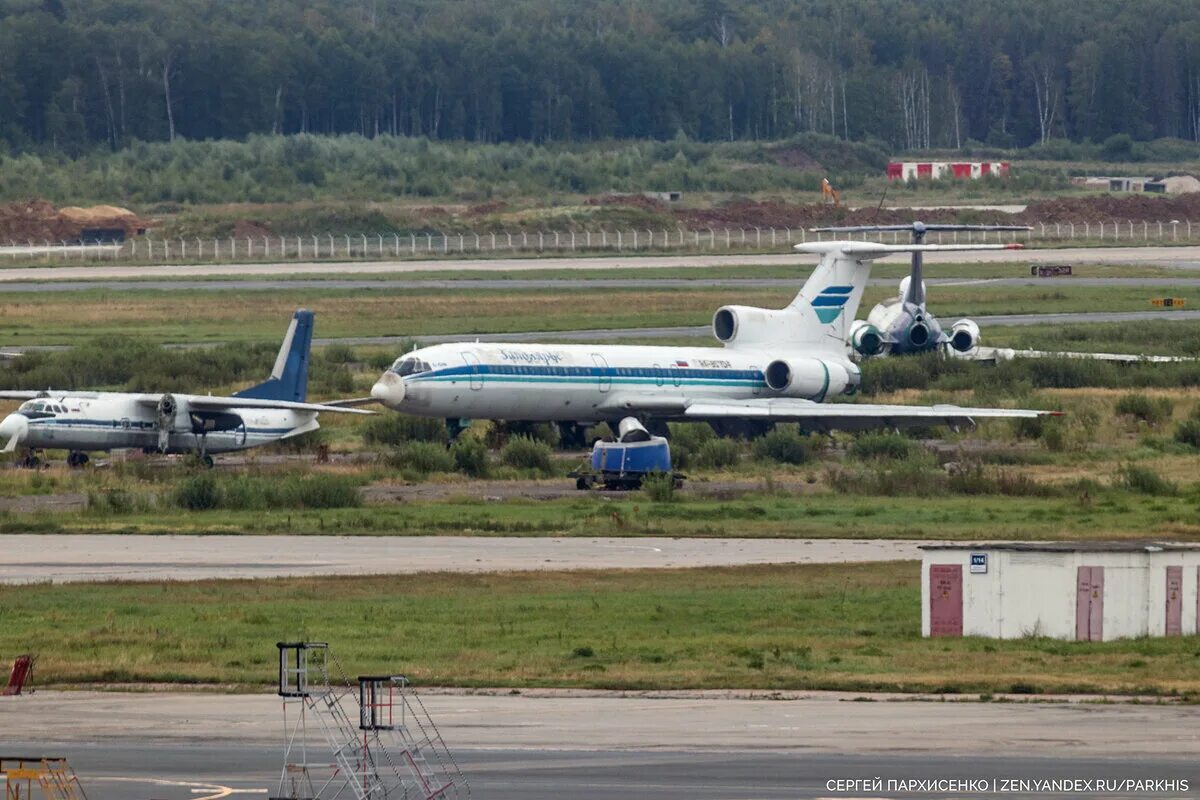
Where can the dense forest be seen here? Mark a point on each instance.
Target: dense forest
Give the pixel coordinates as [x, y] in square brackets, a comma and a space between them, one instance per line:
[909, 74]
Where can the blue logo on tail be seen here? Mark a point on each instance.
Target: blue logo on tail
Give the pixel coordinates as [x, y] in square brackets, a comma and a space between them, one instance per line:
[828, 304]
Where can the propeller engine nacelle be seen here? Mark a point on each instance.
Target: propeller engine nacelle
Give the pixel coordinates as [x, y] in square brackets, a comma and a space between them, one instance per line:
[811, 377]
[865, 338]
[168, 409]
[748, 325]
[964, 336]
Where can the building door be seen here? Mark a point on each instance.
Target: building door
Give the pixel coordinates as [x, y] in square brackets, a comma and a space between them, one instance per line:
[945, 600]
[474, 371]
[1089, 604]
[603, 373]
[1197, 599]
[1174, 601]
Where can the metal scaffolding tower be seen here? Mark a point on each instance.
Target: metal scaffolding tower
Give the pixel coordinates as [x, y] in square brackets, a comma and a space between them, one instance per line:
[394, 751]
[52, 777]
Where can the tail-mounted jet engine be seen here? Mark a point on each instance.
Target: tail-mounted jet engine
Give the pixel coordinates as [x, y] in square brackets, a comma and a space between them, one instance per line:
[964, 336]
[811, 378]
[738, 325]
[865, 338]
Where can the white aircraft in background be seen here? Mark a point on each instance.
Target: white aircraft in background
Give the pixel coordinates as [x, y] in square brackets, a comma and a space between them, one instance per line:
[774, 365]
[904, 325]
[172, 423]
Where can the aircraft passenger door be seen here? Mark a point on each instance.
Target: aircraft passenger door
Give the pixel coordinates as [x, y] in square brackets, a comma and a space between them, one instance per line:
[603, 373]
[757, 386]
[676, 377]
[658, 375]
[475, 373]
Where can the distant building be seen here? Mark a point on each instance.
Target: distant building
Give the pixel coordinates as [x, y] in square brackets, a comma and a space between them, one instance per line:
[932, 170]
[1086, 591]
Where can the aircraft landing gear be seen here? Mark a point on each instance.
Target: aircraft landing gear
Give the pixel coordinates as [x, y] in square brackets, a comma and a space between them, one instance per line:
[202, 455]
[29, 459]
[76, 460]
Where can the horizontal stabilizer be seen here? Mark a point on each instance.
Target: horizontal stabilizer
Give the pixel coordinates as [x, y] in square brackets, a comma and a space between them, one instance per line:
[867, 250]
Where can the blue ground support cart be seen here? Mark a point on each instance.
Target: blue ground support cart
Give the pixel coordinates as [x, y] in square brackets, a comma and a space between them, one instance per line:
[623, 465]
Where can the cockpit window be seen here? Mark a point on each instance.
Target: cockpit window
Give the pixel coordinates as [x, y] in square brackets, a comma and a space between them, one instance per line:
[37, 409]
[409, 366]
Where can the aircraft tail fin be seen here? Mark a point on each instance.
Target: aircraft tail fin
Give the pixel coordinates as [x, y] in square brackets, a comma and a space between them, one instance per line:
[289, 378]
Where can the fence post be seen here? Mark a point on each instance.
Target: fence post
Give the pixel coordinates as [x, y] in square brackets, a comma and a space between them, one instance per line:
[727, 238]
[618, 239]
[635, 239]
[572, 241]
[1160, 231]
[477, 247]
[541, 242]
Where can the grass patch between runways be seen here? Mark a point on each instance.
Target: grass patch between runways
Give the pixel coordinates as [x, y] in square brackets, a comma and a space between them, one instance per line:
[852, 627]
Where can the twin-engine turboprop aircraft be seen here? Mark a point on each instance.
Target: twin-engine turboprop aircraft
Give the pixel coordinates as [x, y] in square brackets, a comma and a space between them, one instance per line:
[172, 423]
[774, 365]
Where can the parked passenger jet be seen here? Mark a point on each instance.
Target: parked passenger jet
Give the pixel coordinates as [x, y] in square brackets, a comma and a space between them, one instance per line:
[904, 325]
[172, 423]
[774, 365]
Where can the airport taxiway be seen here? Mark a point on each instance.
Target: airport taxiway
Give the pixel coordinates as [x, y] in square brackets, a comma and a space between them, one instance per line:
[536, 284]
[597, 745]
[1181, 257]
[61, 558]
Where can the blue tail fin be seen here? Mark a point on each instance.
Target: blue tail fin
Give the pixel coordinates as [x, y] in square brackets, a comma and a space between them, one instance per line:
[289, 378]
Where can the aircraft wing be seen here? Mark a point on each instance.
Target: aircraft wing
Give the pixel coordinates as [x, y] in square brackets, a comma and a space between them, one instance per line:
[994, 354]
[208, 403]
[851, 416]
[21, 394]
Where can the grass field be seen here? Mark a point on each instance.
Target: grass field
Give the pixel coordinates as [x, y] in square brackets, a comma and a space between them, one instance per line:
[198, 316]
[1105, 515]
[850, 627]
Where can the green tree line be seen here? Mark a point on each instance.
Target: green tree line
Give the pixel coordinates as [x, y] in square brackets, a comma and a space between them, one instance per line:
[912, 74]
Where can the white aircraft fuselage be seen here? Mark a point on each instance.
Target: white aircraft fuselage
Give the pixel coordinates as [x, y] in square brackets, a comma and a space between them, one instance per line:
[774, 365]
[589, 383]
[111, 420]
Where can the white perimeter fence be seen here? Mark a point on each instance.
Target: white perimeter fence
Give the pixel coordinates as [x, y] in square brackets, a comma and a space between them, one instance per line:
[398, 246]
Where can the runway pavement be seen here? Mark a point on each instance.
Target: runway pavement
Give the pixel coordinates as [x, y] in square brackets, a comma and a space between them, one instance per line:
[534, 284]
[1182, 257]
[603, 745]
[32, 558]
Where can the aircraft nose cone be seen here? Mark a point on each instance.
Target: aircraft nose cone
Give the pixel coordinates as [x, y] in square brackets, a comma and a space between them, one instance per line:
[13, 426]
[389, 389]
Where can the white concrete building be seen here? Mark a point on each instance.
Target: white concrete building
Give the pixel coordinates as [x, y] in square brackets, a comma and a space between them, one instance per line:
[1097, 591]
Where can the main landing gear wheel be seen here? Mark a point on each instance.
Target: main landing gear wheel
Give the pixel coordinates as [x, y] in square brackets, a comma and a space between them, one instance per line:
[75, 460]
[29, 460]
[206, 461]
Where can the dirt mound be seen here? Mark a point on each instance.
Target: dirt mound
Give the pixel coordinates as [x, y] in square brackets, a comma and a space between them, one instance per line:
[635, 200]
[774, 214]
[38, 221]
[1106, 208]
[249, 229]
[795, 158]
